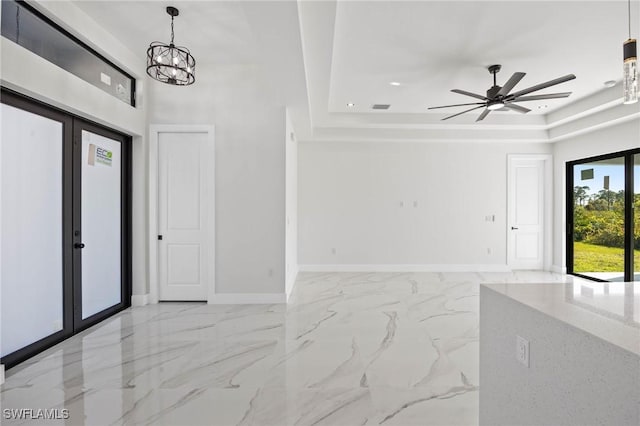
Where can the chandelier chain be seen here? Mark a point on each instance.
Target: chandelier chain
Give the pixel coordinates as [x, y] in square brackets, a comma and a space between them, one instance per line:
[172, 29]
[629, 5]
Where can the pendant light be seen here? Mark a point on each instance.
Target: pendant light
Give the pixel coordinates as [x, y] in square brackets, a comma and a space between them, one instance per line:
[171, 64]
[630, 68]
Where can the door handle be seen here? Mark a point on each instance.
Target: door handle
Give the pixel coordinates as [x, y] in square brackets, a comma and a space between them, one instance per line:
[78, 245]
[513, 228]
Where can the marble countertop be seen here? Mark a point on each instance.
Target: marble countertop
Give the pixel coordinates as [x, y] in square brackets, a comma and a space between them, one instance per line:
[609, 311]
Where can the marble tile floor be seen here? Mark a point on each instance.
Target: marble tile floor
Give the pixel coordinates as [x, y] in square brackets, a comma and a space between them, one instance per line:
[349, 349]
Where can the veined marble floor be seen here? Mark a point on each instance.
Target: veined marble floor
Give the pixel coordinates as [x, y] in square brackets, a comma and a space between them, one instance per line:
[350, 349]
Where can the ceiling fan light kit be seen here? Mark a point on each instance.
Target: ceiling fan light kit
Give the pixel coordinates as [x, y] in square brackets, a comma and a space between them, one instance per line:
[169, 63]
[630, 67]
[501, 98]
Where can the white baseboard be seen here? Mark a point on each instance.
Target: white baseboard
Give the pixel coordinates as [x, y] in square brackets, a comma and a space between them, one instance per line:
[1, 374]
[139, 299]
[405, 268]
[248, 298]
[558, 269]
[291, 281]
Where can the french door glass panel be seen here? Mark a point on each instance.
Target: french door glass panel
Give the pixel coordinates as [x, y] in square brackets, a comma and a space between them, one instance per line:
[31, 218]
[599, 223]
[101, 223]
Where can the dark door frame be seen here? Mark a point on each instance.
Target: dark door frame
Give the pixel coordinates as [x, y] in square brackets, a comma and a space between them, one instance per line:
[628, 156]
[125, 220]
[72, 126]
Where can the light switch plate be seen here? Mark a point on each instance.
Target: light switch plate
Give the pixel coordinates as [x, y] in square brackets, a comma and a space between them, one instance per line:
[522, 351]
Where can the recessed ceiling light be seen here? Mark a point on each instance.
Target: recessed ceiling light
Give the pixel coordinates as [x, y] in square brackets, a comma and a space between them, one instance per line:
[394, 83]
[609, 83]
[350, 105]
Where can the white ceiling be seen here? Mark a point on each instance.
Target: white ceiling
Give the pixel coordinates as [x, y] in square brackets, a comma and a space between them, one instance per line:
[215, 32]
[349, 51]
[431, 47]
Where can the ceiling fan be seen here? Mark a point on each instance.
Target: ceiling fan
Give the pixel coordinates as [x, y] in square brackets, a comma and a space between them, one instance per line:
[499, 98]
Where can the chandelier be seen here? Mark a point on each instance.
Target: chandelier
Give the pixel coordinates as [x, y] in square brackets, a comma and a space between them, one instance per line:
[169, 63]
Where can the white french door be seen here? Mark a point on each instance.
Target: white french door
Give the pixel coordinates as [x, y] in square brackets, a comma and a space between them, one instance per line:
[101, 233]
[32, 274]
[64, 225]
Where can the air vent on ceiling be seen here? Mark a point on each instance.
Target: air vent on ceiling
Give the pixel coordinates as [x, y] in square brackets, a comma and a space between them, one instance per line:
[380, 106]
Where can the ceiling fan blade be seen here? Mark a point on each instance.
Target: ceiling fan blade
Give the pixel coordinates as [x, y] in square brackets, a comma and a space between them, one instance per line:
[460, 113]
[473, 95]
[518, 108]
[542, 97]
[456, 105]
[542, 86]
[511, 83]
[483, 115]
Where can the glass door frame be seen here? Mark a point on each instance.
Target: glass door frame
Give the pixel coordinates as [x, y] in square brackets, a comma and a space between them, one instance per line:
[73, 125]
[628, 156]
[80, 125]
[23, 103]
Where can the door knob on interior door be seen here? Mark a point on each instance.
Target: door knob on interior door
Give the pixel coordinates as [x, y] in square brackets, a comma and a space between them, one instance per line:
[78, 245]
[513, 227]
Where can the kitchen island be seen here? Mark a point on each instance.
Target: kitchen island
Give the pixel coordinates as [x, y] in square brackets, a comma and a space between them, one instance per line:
[560, 354]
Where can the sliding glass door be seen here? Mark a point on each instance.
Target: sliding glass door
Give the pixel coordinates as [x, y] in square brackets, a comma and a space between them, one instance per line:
[602, 228]
[64, 215]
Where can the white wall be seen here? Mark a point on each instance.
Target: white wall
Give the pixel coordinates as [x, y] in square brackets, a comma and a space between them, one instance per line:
[404, 203]
[608, 140]
[249, 170]
[291, 206]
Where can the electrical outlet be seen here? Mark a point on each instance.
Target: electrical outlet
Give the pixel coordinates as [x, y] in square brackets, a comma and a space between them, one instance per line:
[522, 351]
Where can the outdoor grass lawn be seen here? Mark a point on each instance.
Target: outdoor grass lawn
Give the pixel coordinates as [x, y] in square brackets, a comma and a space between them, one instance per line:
[593, 258]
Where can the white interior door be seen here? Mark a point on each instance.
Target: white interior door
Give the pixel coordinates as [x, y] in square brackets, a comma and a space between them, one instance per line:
[525, 227]
[182, 216]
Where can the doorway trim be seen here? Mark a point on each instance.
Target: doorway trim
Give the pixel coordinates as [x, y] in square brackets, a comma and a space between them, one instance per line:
[154, 133]
[547, 187]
